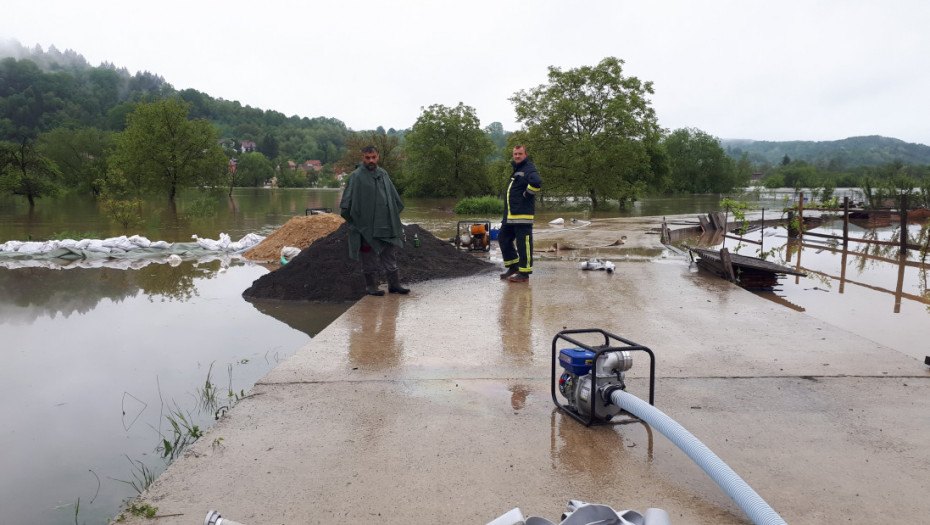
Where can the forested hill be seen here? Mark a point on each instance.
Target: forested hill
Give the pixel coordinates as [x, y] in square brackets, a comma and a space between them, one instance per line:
[44, 90]
[872, 150]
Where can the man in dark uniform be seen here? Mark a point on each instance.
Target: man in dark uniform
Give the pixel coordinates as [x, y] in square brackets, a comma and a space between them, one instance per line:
[516, 234]
[371, 206]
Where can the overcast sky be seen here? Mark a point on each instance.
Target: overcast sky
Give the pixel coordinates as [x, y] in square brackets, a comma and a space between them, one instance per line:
[789, 70]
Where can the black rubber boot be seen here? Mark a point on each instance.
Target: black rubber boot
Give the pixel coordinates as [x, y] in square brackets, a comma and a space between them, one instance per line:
[371, 284]
[510, 271]
[394, 284]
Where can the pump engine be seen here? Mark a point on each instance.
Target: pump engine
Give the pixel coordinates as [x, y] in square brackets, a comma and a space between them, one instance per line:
[576, 382]
[590, 374]
[473, 236]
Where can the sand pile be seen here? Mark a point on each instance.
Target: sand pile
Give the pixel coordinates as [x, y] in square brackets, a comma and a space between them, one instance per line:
[300, 231]
[323, 271]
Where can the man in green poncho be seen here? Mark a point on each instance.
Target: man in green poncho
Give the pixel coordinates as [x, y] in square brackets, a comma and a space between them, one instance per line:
[371, 207]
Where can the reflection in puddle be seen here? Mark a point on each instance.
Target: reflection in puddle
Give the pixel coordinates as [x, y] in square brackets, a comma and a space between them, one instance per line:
[594, 452]
[869, 289]
[309, 318]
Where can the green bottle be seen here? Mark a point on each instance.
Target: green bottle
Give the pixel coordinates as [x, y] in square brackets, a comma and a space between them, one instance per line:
[416, 241]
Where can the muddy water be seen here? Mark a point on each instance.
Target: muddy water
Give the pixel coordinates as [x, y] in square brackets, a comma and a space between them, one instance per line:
[97, 362]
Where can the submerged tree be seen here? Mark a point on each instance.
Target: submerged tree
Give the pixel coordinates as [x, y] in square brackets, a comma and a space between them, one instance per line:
[80, 154]
[24, 172]
[447, 153]
[591, 131]
[253, 169]
[161, 151]
[698, 163]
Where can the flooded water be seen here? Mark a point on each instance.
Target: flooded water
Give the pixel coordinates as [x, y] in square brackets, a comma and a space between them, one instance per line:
[98, 362]
[868, 289]
[107, 372]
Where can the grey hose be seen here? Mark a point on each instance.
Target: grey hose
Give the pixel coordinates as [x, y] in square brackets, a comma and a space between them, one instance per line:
[752, 504]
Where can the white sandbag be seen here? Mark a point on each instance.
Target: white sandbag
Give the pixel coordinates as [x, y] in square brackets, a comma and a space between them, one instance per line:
[96, 246]
[288, 253]
[10, 246]
[560, 220]
[207, 244]
[160, 245]
[110, 242]
[33, 247]
[125, 245]
[245, 243]
[140, 241]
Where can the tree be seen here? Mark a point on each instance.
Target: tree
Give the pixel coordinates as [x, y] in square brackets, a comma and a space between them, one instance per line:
[498, 136]
[269, 146]
[447, 153]
[742, 171]
[80, 154]
[798, 174]
[698, 163]
[254, 169]
[162, 151]
[388, 151]
[24, 172]
[589, 131]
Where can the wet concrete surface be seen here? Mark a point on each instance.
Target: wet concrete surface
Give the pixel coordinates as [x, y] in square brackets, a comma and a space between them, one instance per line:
[435, 407]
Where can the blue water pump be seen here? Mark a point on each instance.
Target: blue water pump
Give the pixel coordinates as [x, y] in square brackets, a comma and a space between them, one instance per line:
[591, 373]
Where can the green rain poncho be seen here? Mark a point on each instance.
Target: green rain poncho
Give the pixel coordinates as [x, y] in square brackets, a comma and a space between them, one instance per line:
[371, 206]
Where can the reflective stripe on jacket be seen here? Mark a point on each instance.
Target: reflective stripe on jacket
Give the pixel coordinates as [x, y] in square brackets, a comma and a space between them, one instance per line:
[521, 193]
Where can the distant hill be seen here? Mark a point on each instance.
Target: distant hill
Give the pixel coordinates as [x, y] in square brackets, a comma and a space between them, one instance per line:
[872, 150]
[41, 91]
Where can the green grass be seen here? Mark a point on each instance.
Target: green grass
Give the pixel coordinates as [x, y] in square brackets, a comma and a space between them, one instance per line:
[141, 474]
[60, 236]
[480, 206]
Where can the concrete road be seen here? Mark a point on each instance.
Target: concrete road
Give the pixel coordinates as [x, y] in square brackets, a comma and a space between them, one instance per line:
[435, 407]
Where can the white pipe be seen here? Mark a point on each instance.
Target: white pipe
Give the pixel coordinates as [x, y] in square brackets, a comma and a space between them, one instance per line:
[214, 518]
[752, 504]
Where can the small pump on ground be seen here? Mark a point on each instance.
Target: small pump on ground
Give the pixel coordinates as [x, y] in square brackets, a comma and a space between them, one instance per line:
[593, 384]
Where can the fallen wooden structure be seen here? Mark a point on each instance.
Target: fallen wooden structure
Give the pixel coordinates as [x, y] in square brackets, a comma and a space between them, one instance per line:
[748, 272]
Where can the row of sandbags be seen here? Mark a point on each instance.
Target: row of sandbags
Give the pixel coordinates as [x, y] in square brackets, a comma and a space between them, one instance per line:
[120, 252]
[123, 244]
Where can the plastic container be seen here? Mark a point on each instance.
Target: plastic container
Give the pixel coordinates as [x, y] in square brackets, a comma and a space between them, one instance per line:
[494, 234]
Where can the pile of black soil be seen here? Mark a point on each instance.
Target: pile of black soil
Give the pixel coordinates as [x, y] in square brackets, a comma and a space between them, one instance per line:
[323, 272]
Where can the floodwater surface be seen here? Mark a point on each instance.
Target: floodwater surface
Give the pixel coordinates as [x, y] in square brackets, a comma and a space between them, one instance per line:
[868, 289]
[101, 364]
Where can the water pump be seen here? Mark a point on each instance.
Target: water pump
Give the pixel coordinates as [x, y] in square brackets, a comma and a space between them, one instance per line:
[590, 374]
[592, 382]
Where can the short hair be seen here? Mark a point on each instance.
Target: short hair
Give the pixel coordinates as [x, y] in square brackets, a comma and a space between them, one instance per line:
[370, 149]
[520, 146]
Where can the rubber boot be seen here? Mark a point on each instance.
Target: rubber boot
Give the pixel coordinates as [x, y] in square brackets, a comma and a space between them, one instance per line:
[394, 284]
[510, 271]
[371, 284]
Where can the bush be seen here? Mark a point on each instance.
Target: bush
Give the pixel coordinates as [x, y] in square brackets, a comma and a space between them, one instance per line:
[480, 206]
[202, 207]
[123, 211]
